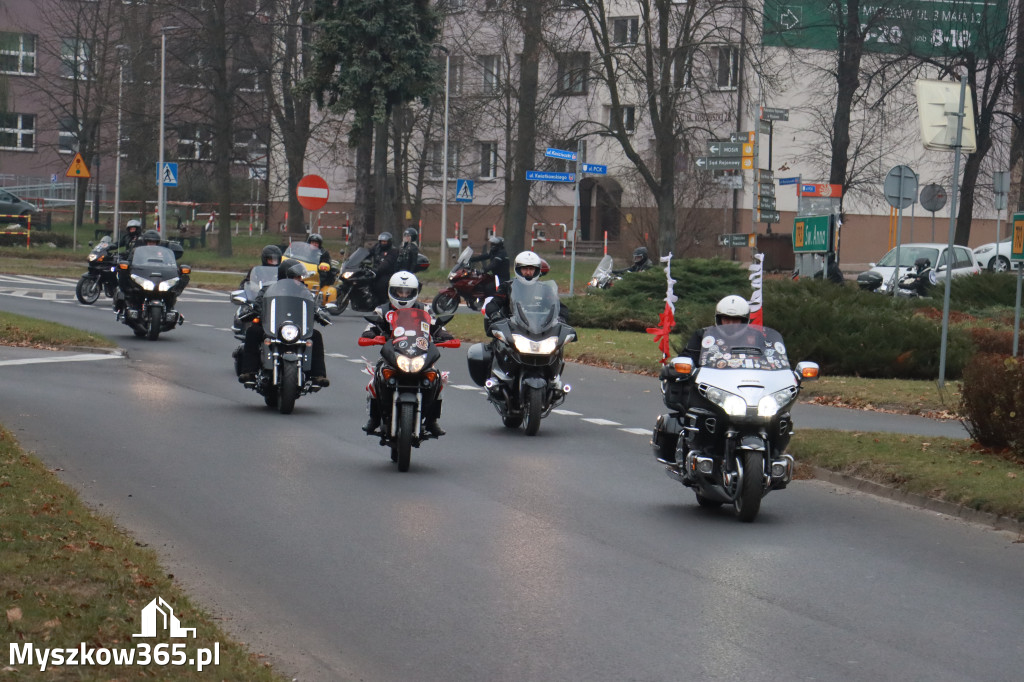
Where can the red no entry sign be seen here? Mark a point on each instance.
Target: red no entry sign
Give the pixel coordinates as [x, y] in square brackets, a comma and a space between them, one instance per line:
[312, 192]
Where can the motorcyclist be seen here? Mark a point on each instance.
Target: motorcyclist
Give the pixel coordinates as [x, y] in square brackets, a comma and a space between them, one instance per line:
[385, 264]
[326, 276]
[497, 259]
[641, 262]
[528, 270]
[270, 256]
[403, 293]
[920, 279]
[409, 251]
[131, 233]
[254, 335]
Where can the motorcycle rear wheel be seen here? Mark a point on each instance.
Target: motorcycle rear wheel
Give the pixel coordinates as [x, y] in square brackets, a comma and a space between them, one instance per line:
[748, 498]
[406, 414]
[533, 405]
[87, 290]
[289, 389]
[445, 304]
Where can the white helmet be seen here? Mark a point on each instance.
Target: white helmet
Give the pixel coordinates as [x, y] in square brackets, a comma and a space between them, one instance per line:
[403, 289]
[527, 259]
[732, 306]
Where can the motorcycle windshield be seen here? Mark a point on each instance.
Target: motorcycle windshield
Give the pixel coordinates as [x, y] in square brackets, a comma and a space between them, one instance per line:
[153, 263]
[604, 268]
[410, 325]
[303, 252]
[742, 346]
[462, 262]
[288, 302]
[534, 305]
[262, 276]
[355, 261]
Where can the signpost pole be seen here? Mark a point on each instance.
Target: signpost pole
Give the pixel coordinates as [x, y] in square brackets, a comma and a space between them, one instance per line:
[899, 240]
[575, 216]
[1016, 313]
[952, 229]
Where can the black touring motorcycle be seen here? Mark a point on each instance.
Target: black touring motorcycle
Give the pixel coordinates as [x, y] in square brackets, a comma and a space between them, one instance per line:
[151, 282]
[102, 275]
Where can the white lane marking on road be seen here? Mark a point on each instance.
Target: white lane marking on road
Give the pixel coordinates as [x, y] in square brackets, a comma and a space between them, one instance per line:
[223, 329]
[638, 432]
[600, 422]
[85, 357]
[49, 296]
[337, 355]
[35, 280]
[201, 324]
[465, 387]
[567, 413]
[358, 362]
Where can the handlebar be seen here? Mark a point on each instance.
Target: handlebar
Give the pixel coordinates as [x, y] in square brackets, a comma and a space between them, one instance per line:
[375, 341]
[451, 343]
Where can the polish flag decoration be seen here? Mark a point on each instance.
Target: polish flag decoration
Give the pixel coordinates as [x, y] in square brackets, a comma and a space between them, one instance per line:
[756, 279]
[667, 319]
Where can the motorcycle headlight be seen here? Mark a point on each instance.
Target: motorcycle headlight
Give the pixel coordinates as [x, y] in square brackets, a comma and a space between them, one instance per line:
[770, 405]
[543, 347]
[411, 365]
[91, 257]
[734, 405]
[347, 275]
[289, 332]
[167, 284]
[146, 284]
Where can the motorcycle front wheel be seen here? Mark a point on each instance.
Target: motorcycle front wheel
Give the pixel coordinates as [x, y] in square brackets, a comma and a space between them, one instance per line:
[533, 405]
[445, 304]
[406, 415]
[87, 290]
[156, 322]
[748, 498]
[289, 390]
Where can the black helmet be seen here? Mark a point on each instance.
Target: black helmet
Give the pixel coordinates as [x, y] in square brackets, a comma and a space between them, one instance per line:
[384, 238]
[271, 255]
[412, 233]
[150, 236]
[496, 242]
[922, 263]
[315, 238]
[640, 254]
[290, 269]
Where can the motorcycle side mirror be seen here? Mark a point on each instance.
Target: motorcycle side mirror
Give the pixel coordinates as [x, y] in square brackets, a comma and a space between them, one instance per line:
[498, 335]
[452, 343]
[807, 371]
[682, 365]
[238, 297]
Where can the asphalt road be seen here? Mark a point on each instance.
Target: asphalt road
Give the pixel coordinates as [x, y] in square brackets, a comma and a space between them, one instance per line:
[567, 556]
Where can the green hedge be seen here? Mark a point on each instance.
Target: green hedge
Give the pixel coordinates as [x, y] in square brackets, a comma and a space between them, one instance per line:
[992, 401]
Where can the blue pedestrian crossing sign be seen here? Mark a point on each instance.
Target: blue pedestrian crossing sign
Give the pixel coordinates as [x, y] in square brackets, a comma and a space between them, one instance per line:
[168, 175]
[463, 191]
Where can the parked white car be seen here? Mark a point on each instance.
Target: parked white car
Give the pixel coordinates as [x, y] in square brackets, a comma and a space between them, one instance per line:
[880, 276]
[995, 257]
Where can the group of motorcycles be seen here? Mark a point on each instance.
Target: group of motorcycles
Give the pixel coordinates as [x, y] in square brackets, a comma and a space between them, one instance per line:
[725, 435]
[149, 278]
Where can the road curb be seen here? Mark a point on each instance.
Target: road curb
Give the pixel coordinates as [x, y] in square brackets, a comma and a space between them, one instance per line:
[99, 351]
[948, 508]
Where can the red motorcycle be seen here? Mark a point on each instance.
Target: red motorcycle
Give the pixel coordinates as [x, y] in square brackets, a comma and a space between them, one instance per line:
[466, 283]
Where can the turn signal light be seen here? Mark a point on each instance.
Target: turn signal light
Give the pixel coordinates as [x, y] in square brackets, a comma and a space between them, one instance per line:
[387, 373]
[255, 320]
[185, 269]
[431, 375]
[683, 366]
[809, 372]
[123, 266]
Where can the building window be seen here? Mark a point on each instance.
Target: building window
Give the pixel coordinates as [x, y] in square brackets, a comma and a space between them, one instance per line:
[491, 65]
[67, 136]
[727, 63]
[628, 119]
[18, 131]
[435, 160]
[248, 80]
[74, 58]
[18, 53]
[625, 30]
[573, 68]
[194, 144]
[488, 159]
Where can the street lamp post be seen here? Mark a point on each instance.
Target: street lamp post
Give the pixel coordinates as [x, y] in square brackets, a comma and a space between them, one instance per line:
[117, 163]
[444, 153]
[161, 194]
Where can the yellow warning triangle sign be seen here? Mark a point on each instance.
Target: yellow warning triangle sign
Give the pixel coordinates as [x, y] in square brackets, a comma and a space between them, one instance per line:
[78, 169]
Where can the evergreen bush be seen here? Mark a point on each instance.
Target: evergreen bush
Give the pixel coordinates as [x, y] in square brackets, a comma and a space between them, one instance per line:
[992, 401]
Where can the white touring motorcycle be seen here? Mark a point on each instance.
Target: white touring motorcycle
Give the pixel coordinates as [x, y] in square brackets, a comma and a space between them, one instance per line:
[729, 426]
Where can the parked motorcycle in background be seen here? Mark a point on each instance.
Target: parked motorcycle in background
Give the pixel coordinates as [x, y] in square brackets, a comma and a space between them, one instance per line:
[466, 283]
[918, 282]
[102, 274]
[286, 355]
[729, 426]
[151, 283]
[522, 368]
[408, 381]
[602, 277]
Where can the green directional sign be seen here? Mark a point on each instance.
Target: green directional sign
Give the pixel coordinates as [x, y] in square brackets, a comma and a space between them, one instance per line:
[925, 28]
[1017, 243]
[811, 234]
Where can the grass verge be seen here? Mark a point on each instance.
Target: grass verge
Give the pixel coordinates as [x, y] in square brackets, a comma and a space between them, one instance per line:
[956, 471]
[18, 330]
[69, 576]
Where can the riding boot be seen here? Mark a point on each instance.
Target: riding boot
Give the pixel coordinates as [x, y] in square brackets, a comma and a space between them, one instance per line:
[373, 423]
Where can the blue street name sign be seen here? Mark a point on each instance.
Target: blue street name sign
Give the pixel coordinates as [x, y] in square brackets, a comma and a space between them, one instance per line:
[788, 181]
[560, 154]
[464, 191]
[550, 177]
[595, 169]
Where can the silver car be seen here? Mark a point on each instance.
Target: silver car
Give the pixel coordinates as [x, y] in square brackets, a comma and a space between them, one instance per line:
[14, 209]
